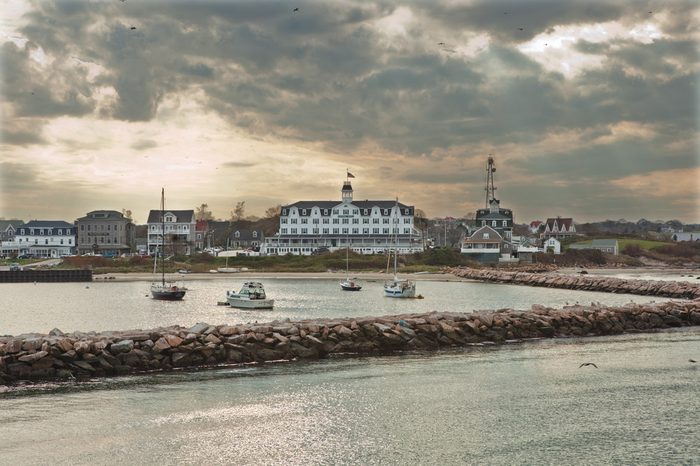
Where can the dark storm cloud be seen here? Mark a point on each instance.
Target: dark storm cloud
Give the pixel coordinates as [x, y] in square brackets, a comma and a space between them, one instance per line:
[519, 21]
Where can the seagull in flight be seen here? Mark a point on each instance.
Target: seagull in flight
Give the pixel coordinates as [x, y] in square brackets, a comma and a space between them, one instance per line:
[133, 28]
[692, 360]
[296, 9]
[587, 364]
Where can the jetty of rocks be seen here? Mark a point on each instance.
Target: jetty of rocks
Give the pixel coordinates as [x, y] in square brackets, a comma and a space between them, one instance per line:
[83, 355]
[668, 289]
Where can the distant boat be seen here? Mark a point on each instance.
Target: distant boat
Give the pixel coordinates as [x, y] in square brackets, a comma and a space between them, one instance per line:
[226, 268]
[398, 288]
[251, 296]
[348, 284]
[164, 291]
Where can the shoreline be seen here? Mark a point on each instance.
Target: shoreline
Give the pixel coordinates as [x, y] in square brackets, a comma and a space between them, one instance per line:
[242, 276]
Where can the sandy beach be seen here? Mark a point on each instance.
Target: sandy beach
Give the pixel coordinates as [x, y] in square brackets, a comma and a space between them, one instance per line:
[240, 276]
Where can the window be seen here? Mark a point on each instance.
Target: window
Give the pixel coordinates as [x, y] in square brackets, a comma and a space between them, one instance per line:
[385, 220]
[284, 211]
[335, 211]
[293, 220]
[303, 231]
[505, 223]
[294, 231]
[303, 211]
[346, 212]
[325, 231]
[304, 220]
[315, 231]
[82, 227]
[365, 231]
[355, 231]
[493, 223]
[386, 212]
[345, 221]
[46, 241]
[284, 220]
[335, 231]
[336, 221]
[486, 236]
[60, 232]
[355, 221]
[345, 231]
[483, 223]
[365, 221]
[325, 211]
[375, 220]
[22, 231]
[408, 211]
[237, 234]
[325, 221]
[407, 220]
[255, 234]
[366, 211]
[315, 221]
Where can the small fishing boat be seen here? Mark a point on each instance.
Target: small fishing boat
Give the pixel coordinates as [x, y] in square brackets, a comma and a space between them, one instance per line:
[251, 296]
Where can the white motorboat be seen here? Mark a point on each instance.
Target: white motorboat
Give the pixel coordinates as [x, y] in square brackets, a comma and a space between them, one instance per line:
[251, 296]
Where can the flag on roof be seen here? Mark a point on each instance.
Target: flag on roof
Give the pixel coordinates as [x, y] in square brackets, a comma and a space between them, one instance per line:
[350, 175]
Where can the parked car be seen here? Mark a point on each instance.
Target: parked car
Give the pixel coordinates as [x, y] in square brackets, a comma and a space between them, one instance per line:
[15, 267]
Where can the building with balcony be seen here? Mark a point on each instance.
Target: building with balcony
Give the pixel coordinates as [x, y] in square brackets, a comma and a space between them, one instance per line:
[178, 226]
[366, 227]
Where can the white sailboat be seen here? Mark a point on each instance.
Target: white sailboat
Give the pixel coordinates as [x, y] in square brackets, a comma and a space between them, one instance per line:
[398, 288]
[226, 268]
[162, 290]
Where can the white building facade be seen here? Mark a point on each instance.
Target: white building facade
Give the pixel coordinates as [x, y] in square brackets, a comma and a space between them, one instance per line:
[366, 227]
[179, 227]
[45, 238]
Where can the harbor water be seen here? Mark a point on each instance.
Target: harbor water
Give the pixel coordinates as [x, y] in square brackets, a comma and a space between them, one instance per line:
[524, 403]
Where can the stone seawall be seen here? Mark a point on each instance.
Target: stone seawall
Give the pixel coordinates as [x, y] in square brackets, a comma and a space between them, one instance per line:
[83, 355]
[668, 289]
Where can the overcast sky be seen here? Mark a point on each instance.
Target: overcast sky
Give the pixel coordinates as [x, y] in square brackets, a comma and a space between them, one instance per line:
[589, 109]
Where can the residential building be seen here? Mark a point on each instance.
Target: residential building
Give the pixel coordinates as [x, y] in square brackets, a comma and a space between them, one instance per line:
[45, 238]
[366, 227]
[498, 220]
[534, 227]
[559, 228]
[485, 245]
[243, 238]
[8, 230]
[608, 246]
[552, 245]
[201, 231]
[179, 228]
[105, 232]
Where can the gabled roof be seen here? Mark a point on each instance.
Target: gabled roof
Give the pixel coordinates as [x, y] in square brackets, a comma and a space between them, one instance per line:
[5, 224]
[476, 237]
[246, 235]
[561, 222]
[181, 216]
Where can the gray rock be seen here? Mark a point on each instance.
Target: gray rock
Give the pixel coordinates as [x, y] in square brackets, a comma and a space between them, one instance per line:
[123, 346]
[199, 327]
[30, 358]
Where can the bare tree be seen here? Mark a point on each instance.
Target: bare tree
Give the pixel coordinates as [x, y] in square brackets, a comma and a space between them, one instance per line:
[238, 212]
[272, 212]
[203, 212]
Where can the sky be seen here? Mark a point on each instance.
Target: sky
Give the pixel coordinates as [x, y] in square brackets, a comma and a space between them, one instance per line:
[590, 109]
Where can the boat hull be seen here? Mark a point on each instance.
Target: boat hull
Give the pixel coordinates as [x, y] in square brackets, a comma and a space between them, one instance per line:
[243, 303]
[168, 292]
[350, 288]
[406, 289]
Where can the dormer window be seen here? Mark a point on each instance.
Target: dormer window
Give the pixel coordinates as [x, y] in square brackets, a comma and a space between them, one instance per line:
[169, 218]
[325, 211]
[237, 234]
[60, 232]
[386, 211]
[284, 211]
[366, 212]
[255, 234]
[486, 236]
[408, 211]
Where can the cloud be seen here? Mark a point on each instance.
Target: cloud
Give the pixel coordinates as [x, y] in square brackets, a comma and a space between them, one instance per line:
[143, 144]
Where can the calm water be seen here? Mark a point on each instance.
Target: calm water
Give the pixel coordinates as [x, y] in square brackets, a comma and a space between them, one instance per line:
[516, 404]
[127, 305]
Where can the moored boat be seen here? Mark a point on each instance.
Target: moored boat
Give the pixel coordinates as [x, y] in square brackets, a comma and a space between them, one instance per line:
[164, 291]
[251, 296]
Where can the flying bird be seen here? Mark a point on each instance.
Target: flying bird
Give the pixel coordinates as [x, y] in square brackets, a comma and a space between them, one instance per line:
[296, 9]
[520, 29]
[692, 360]
[441, 43]
[133, 28]
[587, 364]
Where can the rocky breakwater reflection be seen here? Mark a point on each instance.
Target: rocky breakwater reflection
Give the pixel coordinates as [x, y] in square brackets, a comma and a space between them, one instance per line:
[85, 355]
[668, 289]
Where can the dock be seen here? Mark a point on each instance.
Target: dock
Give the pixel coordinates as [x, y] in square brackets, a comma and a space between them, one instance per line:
[30, 275]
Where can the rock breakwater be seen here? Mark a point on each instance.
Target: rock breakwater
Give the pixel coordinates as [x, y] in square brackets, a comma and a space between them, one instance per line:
[668, 289]
[83, 355]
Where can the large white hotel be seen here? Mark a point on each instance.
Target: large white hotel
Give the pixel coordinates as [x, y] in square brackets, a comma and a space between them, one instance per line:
[366, 227]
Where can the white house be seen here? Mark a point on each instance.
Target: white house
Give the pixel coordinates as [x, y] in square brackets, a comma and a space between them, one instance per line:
[179, 227]
[45, 238]
[552, 245]
[366, 227]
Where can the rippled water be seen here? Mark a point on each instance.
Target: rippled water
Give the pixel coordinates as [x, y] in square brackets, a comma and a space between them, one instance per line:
[127, 305]
[516, 404]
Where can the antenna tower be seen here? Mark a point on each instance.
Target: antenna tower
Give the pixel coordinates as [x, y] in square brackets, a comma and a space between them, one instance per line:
[490, 188]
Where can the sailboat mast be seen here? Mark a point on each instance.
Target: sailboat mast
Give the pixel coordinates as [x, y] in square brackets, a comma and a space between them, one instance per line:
[396, 234]
[162, 234]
